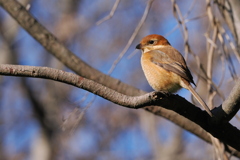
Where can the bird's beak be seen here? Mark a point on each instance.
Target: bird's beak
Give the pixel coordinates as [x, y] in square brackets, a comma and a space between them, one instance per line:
[139, 46]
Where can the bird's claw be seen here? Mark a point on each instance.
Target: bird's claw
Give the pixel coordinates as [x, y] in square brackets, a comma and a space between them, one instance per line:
[167, 94]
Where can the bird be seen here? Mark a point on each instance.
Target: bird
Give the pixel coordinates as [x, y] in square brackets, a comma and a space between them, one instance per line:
[165, 68]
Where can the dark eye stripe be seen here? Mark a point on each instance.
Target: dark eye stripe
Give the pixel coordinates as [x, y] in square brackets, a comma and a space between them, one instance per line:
[151, 42]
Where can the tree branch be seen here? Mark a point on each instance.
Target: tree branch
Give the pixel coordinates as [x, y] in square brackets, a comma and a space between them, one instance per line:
[110, 14]
[221, 130]
[230, 106]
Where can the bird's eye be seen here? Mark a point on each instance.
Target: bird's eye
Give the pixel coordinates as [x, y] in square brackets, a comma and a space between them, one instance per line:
[151, 42]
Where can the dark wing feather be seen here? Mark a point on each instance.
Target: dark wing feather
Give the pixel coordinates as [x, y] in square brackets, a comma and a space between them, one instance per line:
[163, 60]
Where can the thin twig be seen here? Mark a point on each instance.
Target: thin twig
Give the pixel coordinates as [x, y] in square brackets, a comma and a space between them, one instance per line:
[178, 15]
[190, 9]
[132, 37]
[210, 65]
[227, 57]
[110, 15]
[217, 144]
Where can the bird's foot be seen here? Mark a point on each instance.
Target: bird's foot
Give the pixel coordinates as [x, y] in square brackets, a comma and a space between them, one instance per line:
[162, 94]
[167, 94]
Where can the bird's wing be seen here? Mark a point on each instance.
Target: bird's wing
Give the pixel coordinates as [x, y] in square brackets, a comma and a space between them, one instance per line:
[175, 63]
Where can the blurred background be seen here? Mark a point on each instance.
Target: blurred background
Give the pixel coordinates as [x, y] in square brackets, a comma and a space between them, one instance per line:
[42, 119]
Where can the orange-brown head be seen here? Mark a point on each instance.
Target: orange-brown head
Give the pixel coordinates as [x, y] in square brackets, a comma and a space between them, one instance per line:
[152, 42]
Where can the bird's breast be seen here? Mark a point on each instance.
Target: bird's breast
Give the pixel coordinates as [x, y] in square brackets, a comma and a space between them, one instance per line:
[159, 78]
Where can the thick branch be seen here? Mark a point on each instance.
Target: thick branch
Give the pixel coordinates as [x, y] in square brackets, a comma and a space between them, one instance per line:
[230, 106]
[223, 131]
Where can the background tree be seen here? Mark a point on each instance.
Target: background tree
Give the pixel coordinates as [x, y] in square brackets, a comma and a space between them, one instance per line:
[57, 121]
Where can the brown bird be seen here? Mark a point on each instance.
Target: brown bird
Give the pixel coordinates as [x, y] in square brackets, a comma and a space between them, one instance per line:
[165, 68]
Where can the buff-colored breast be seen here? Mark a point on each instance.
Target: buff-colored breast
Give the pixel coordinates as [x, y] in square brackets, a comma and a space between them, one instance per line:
[159, 78]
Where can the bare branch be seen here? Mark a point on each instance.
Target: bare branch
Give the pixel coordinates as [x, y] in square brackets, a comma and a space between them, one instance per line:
[75, 80]
[223, 131]
[231, 105]
[181, 22]
[110, 14]
[210, 65]
[227, 10]
[132, 37]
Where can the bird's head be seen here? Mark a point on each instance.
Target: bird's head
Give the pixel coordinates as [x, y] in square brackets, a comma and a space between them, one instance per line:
[152, 42]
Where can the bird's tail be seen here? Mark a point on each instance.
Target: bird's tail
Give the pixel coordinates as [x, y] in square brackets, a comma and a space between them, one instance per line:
[199, 99]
